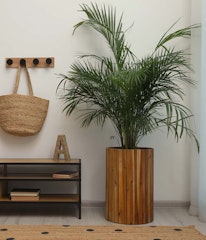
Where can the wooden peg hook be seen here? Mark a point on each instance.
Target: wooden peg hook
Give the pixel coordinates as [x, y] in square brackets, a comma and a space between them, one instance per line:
[30, 62]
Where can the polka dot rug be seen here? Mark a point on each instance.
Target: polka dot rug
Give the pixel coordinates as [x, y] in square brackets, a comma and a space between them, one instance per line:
[112, 232]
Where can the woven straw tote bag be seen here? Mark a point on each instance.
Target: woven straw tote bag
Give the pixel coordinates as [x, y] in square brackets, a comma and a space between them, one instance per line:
[22, 115]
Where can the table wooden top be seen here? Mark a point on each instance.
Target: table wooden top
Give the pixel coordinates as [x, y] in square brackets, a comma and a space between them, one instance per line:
[38, 161]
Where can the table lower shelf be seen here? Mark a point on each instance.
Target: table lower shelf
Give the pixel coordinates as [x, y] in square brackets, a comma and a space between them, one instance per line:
[67, 198]
[47, 198]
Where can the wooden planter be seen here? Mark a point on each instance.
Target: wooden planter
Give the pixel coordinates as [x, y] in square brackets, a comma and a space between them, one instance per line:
[129, 185]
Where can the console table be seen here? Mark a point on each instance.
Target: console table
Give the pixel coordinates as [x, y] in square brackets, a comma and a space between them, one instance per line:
[14, 170]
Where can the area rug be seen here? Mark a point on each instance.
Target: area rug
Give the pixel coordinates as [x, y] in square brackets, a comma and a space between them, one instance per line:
[114, 232]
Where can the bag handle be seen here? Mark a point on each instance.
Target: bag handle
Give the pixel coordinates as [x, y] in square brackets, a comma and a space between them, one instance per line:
[18, 79]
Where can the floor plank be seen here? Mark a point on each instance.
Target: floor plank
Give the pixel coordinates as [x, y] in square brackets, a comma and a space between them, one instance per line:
[96, 216]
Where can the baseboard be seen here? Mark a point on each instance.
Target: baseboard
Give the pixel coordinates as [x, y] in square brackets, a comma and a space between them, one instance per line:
[93, 204]
[193, 210]
[171, 204]
[87, 204]
[157, 204]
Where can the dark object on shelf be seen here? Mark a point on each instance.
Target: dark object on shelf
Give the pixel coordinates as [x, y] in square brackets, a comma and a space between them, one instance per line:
[36, 61]
[9, 61]
[48, 61]
[22, 62]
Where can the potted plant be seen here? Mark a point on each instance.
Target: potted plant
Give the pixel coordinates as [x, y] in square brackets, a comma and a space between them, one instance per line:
[137, 96]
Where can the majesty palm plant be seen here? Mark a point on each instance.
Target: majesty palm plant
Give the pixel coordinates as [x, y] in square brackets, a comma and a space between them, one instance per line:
[137, 95]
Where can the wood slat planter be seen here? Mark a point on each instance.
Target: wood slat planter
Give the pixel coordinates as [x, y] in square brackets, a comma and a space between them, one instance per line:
[129, 185]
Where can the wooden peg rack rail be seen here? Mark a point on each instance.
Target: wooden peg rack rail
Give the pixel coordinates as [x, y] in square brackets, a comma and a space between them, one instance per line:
[30, 62]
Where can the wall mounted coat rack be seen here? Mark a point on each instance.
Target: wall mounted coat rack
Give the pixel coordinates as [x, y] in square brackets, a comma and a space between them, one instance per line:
[30, 62]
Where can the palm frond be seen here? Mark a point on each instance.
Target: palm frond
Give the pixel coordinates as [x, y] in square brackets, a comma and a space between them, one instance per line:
[104, 20]
[180, 33]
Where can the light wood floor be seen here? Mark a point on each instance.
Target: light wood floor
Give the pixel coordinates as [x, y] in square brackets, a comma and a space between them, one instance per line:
[95, 216]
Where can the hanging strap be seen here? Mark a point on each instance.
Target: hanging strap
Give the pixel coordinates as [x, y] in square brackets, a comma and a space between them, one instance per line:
[18, 79]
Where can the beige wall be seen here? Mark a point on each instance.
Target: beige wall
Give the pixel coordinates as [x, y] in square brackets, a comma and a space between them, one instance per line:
[37, 28]
[196, 17]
